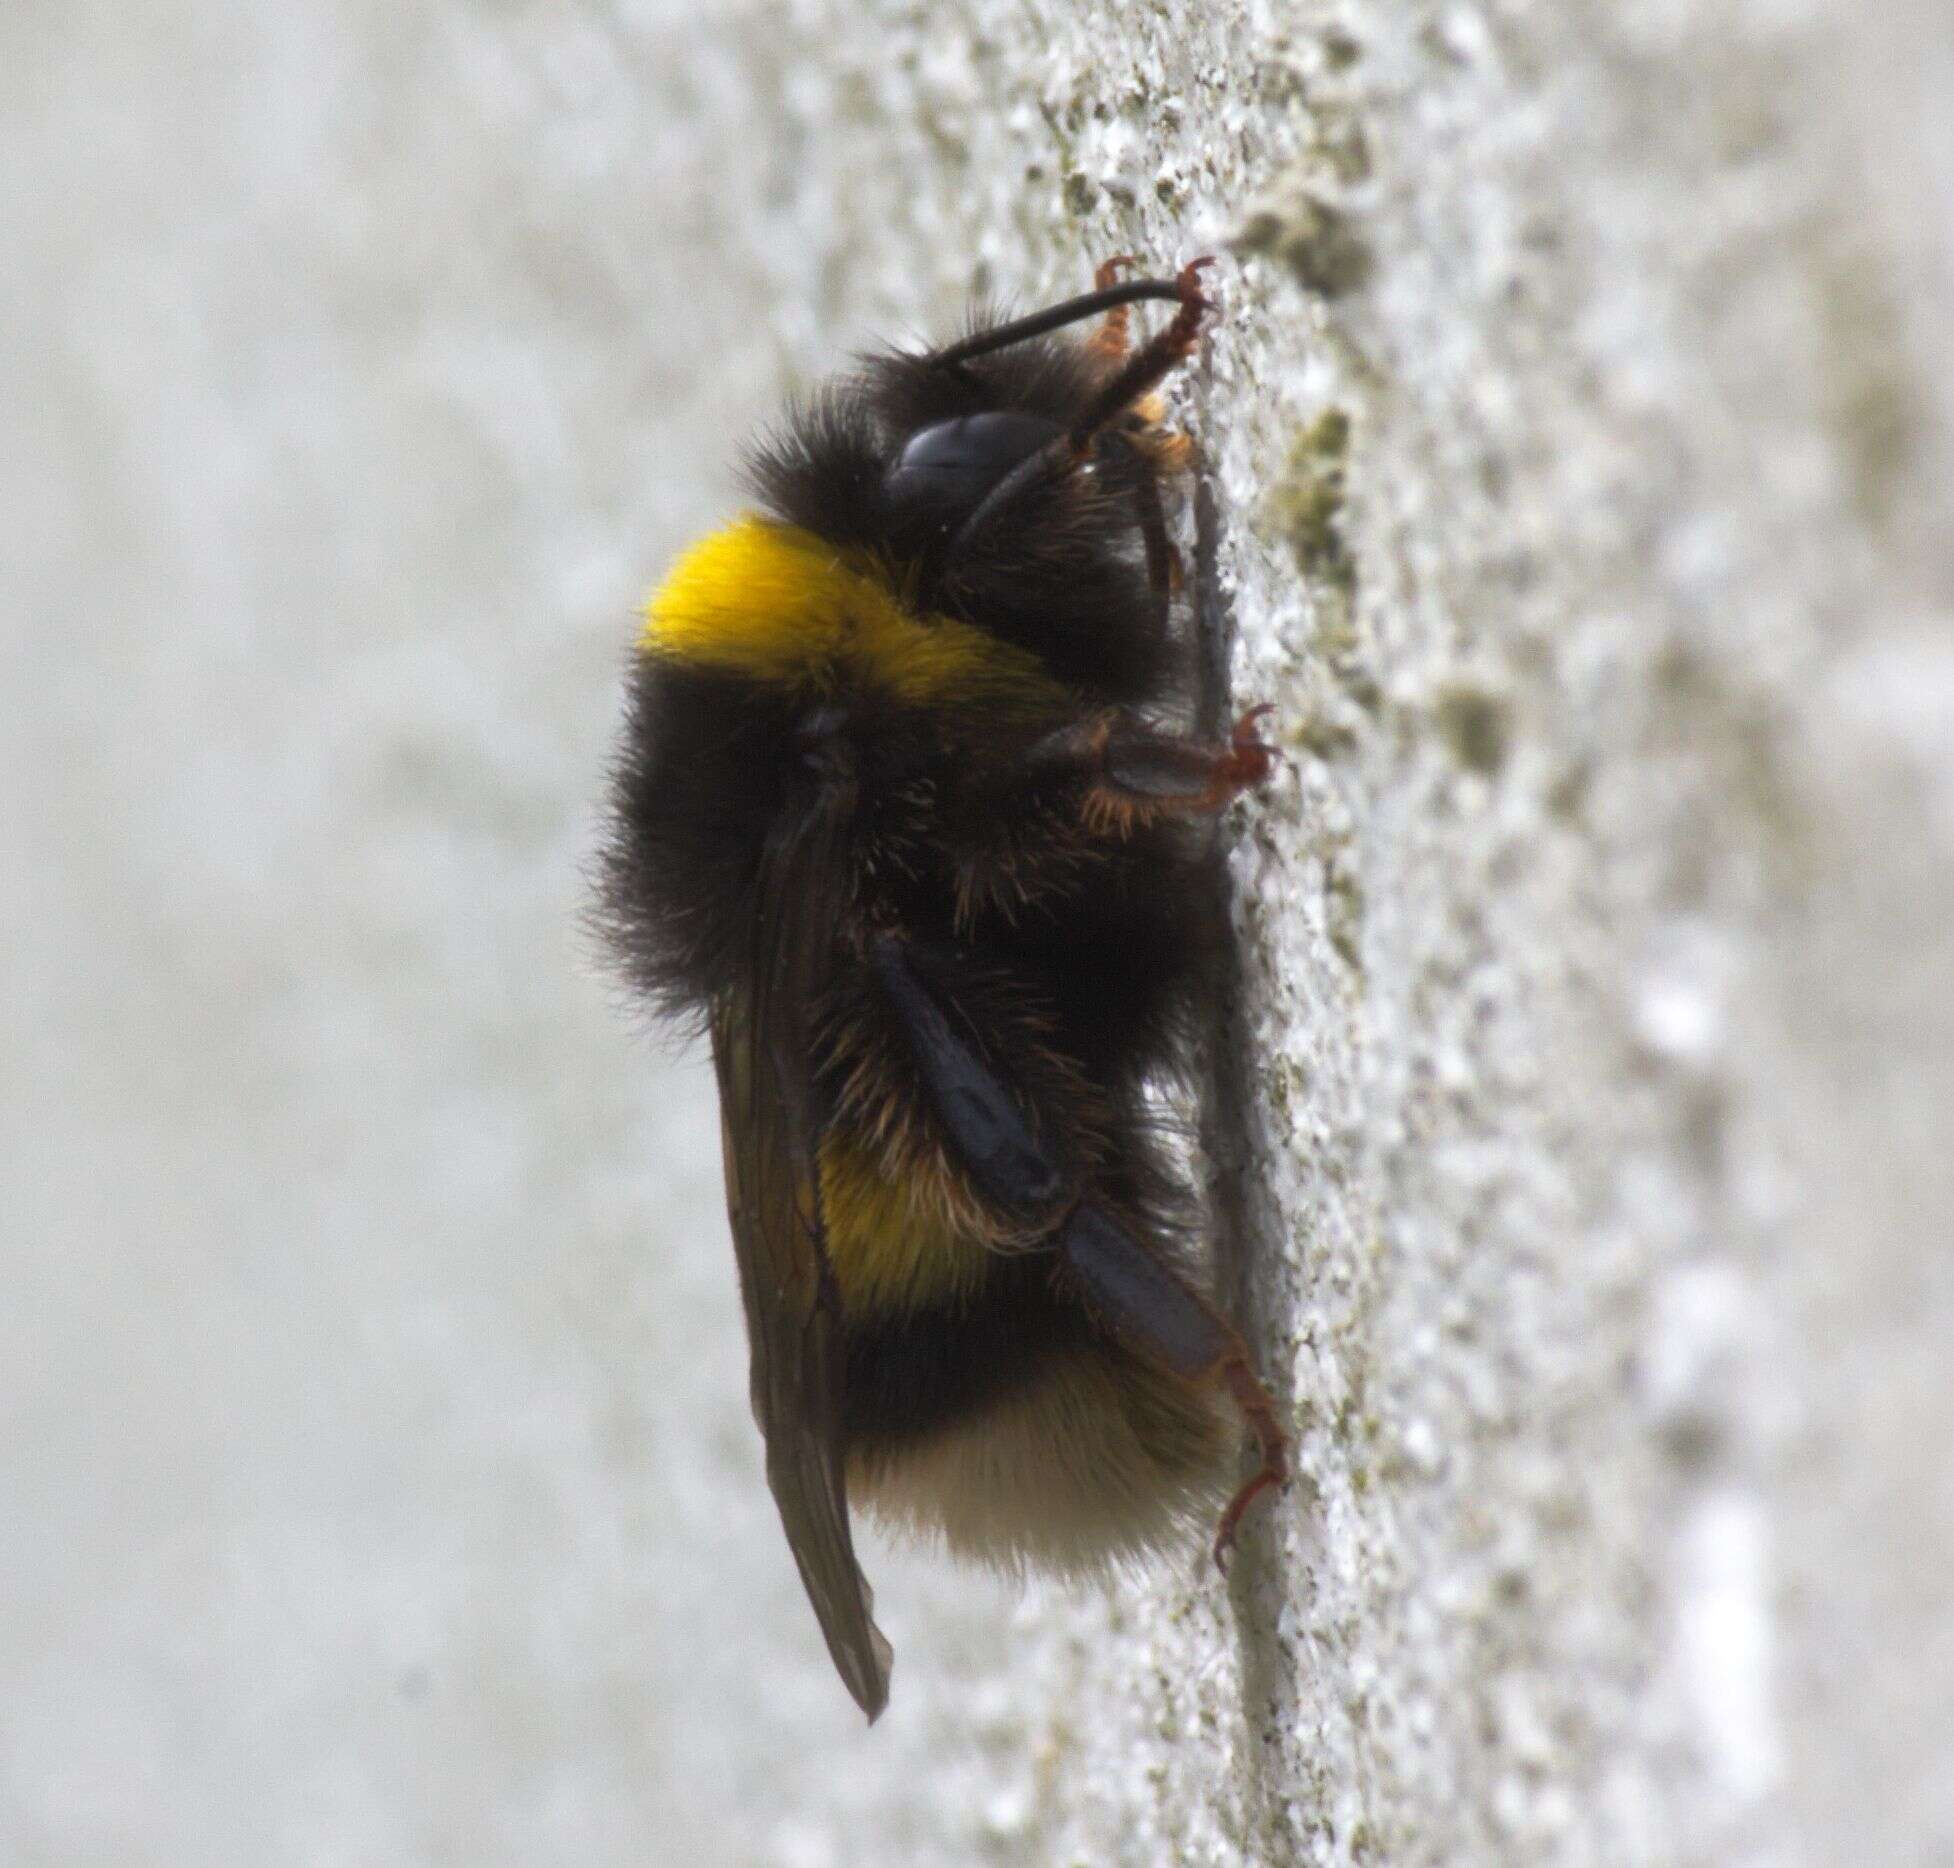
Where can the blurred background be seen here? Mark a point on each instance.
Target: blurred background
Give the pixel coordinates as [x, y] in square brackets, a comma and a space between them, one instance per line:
[378, 1480]
[377, 1483]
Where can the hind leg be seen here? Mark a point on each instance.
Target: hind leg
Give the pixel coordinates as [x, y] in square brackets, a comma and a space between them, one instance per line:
[1016, 1161]
[1146, 1307]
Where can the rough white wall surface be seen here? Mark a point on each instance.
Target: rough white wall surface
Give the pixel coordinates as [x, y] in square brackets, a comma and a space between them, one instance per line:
[378, 1481]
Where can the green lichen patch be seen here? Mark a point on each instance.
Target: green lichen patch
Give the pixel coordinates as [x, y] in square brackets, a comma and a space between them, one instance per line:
[1477, 725]
[1867, 379]
[1307, 505]
[1324, 737]
[1344, 912]
[1320, 243]
[1080, 191]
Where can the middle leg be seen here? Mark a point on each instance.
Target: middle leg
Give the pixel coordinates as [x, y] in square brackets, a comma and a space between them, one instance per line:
[1132, 774]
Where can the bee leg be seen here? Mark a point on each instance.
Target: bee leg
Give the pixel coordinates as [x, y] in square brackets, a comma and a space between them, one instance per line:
[1163, 352]
[1114, 338]
[1012, 1165]
[1151, 1312]
[1135, 1298]
[1163, 559]
[1133, 773]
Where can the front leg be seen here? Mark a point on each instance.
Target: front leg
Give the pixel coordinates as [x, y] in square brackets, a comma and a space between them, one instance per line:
[1128, 385]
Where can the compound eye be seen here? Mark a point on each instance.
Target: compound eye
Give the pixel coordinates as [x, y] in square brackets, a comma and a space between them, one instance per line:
[955, 463]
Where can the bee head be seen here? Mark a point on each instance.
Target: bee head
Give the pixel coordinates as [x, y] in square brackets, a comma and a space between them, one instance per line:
[946, 468]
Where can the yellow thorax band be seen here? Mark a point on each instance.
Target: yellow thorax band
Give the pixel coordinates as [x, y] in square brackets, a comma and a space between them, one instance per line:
[778, 604]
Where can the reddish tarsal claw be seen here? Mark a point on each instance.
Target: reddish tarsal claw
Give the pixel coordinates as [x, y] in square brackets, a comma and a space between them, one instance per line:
[1231, 1519]
[1250, 759]
[1253, 1400]
[1185, 332]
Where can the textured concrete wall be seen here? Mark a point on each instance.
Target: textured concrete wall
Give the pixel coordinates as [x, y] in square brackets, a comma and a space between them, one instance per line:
[378, 1485]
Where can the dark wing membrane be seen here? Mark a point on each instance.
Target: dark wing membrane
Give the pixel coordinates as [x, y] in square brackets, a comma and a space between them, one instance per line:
[793, 1316]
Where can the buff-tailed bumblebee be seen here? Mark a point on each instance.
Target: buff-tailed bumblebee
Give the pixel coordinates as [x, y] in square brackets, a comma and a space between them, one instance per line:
[901, 822]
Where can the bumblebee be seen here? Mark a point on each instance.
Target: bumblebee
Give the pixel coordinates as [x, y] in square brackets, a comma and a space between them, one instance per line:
[901, 822]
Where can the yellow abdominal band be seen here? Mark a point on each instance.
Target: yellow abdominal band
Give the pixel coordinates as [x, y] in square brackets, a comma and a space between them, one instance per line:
[891, 1249]
[775, 603]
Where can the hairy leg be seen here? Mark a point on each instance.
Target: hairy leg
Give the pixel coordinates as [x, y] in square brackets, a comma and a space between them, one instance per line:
[1141, 372]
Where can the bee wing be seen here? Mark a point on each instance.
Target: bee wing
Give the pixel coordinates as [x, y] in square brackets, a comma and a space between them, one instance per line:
[793, 1313]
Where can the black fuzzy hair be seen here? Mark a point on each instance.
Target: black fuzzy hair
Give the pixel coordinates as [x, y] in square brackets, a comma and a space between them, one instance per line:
[951, 936]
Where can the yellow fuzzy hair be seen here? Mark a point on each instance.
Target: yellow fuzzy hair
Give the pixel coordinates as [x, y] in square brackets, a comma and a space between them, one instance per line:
[779, 605]
[891, 1248]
